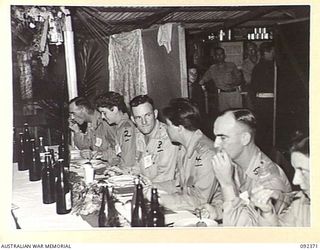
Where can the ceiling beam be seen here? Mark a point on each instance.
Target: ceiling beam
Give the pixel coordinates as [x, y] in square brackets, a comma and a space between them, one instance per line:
[177, 8]
[250, 16]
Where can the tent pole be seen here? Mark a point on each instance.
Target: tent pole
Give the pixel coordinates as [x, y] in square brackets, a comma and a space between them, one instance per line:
[69, 55]
[70, 60]
[274, 104]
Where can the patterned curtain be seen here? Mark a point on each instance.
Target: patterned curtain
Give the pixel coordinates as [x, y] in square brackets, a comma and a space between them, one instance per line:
[126, 65]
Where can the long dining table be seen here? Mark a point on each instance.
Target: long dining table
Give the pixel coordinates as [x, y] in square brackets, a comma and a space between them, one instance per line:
[29, 213]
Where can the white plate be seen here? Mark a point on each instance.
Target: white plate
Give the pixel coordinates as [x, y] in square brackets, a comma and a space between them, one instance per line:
[191, 222]
[122, 179]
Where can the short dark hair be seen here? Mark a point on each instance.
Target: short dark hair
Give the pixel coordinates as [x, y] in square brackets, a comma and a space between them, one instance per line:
[182, 111]
[300, 143]
[245, 117]
[265, 47]
[111, 99]
[140, 99]
[219, 48]
[81, 101]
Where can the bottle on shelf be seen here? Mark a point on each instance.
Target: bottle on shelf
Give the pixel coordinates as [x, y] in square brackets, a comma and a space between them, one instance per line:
[63, 190]
[35, 168]
[155, 216]
[138, 217]
[21, 164]
[48, 181]
[27, 147]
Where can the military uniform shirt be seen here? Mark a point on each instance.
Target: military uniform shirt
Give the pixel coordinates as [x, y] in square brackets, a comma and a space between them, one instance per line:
[98, 137]
[198, 184]
[261, 172]
[126, 144]
[157, 159]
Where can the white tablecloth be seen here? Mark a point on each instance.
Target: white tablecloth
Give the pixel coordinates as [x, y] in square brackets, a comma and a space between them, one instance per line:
[32, 214]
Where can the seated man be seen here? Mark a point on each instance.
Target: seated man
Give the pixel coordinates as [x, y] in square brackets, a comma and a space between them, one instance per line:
[113, 110]
[99, 137]
[155, 154]
[197, 182]
[241, 167]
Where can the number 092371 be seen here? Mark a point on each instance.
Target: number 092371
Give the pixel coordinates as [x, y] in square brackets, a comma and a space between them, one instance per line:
[309, 245]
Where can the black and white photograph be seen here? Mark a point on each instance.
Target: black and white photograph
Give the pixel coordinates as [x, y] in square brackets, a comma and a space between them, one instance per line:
[192, 118]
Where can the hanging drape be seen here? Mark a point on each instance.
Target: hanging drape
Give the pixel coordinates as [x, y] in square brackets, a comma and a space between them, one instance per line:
[127, 71]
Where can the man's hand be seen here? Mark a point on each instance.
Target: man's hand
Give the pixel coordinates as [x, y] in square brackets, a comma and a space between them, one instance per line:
[207, 211]
[86, 154]
[261, 198]
[73, 125]
[222, 166]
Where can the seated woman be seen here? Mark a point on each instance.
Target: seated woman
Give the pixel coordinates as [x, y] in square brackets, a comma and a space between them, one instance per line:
[196, 182]
[113, 110]
[298, 213]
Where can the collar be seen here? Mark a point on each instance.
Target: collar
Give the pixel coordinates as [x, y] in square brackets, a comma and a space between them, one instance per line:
[96, 121]
[255, 164]
[124, 118]
[155, 130]
[193, 142]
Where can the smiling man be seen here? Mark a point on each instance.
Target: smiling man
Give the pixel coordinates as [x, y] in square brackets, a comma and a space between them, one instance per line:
[98, 137]
[241, 167]
[113, 110]
[156, 155]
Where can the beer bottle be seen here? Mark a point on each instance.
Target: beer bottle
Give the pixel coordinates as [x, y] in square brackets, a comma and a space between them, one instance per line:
[112, 217]
[41, 149]
[48, 181]
[27, 147]
[35, 168]
[63, 191]
[102, 218]
[108, 214]
[21, 163]
[138, 218]
[14, 146]
[63, 151]
[155, 216]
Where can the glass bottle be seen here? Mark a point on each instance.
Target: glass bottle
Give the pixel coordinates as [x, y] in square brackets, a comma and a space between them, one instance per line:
[21, 164]
[102, 217]
[14, 146]
[48, 181]
[27, 147]
[35, 168]
[138, 218]
[155, 216]
[63, 191]
[112, 217]
[41, 149]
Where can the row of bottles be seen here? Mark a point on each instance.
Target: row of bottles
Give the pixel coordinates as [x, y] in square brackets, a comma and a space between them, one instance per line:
[260, 34]
[42, 164]
[139, 215]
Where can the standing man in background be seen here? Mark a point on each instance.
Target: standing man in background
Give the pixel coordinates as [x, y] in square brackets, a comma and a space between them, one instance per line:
[249, 62]
[262, 83]
[227, 79]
